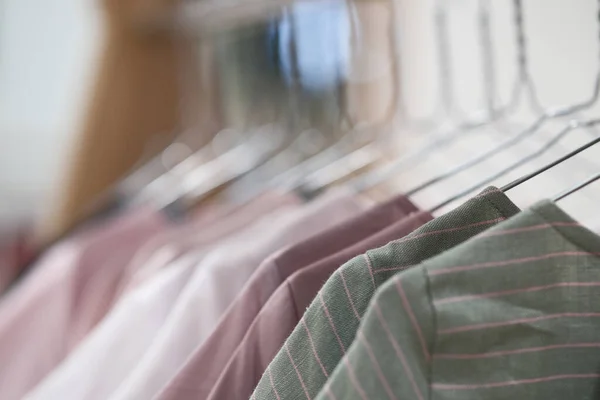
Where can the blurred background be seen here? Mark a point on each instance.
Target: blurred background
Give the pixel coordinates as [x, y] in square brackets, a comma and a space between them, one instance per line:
[48, 56]
[91, 91]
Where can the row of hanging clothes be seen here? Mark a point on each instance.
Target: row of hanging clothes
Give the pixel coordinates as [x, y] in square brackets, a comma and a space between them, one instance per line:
[273, 264]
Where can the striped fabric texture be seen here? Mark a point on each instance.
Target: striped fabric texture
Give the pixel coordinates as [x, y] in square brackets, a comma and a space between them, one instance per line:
[328, 327]
[513, 313]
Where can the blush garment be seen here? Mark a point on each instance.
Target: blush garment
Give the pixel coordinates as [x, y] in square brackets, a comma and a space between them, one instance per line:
[98, 365]
[214, 281]
[210, 359]
[209, 225]
[217, 282]
[282, 313]
[71, 289]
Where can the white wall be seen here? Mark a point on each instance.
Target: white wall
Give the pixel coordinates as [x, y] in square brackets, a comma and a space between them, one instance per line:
[47, 54]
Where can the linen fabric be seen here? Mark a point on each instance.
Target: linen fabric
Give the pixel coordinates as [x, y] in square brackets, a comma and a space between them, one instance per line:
[216, 283]
[512, 313]
[284, 309]
[66, 294]
[328, 327]
[212, 357]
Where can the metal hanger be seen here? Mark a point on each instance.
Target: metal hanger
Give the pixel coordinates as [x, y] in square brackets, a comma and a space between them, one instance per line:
[293, 177]
[576, 188]
[290, 177]
[523, 85]
[271, 142]
[547, 115]
[446, 132]
[572, 125]
[336, 162]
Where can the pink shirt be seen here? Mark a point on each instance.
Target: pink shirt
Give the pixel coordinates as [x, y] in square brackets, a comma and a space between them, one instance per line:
[63, 298]
[132, 324]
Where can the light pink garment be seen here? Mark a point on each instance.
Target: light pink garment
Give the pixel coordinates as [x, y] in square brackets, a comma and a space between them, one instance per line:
[102, 361]
[205, 229]
[66, 294]
[215, 284]
[199, 230]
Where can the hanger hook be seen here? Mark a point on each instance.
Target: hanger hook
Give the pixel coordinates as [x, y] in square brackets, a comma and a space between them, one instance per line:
[398, 105]
[524, 84]
[486, 45]
[444, 50]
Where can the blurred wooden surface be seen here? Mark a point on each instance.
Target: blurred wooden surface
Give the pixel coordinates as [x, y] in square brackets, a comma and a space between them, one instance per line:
[135, 100]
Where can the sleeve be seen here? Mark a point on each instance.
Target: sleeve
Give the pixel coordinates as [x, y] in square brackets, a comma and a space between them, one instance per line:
[391, 357]
[324, 334]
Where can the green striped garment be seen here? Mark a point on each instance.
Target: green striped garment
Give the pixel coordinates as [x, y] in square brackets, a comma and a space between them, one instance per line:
[511, 314]
[328, 327]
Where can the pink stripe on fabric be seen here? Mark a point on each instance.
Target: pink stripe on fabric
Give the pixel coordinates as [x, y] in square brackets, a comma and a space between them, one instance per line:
[370, 266]
[348, 294]
[515, 321]
[492, 264]
[443, 386]
[331, 322]
[513, 291]
[273, 383]
[353, 379]
[458, 228]
[403, 267]
[312, 344]
[516, 351]
[378, 370]
[400, 268]
[528, 228]
[287, 348]
[329, 392]
[397, 349]
[413, 319]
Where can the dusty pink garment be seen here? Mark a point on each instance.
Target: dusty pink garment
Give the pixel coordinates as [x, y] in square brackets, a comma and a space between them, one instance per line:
[16, 251]
[65, 295]
[207, 227]
[197, 378]
[115, 346]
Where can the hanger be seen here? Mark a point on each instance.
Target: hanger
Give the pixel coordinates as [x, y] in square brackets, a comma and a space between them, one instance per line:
[572, 125]
[267, 145]
[447, 132]
[576, 188]
[336, 163]
[289, 178]
[523, 85]
[547, 115]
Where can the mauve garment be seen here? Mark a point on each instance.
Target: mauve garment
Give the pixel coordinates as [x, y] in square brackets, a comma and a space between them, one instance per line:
[284, 311]
[187, 384]
[66, 294]
[214, 285]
